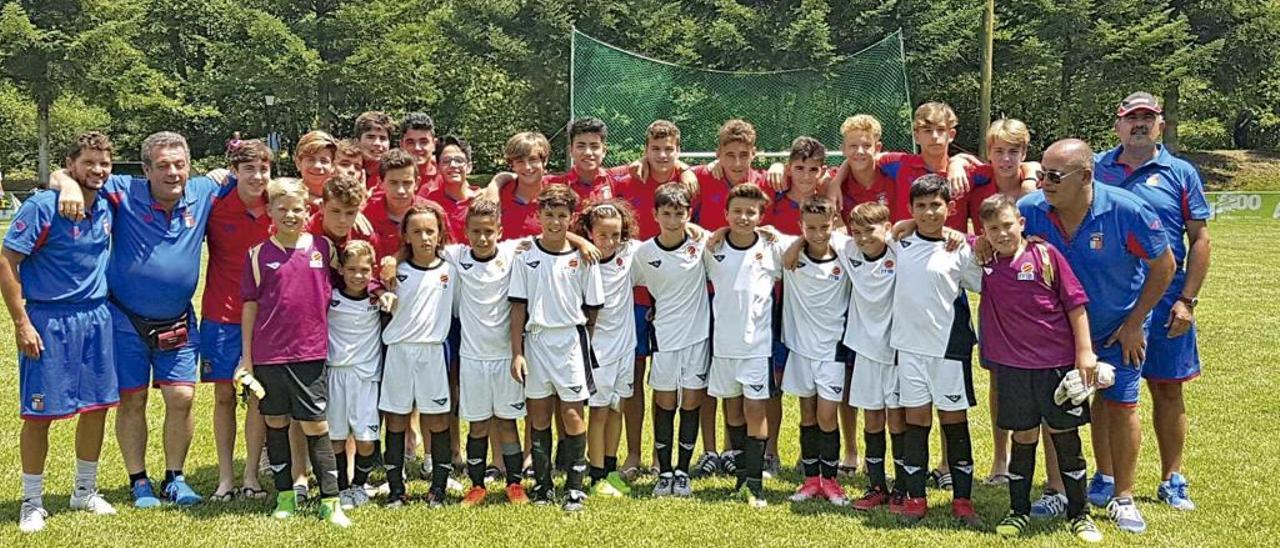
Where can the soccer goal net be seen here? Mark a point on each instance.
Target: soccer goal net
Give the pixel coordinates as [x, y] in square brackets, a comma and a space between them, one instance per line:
[628, 91]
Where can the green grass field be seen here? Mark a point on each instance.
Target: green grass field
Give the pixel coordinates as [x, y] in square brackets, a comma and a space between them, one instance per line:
[1234, 446]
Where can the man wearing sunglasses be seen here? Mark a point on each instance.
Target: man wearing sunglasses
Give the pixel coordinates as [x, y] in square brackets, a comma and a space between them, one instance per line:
[1173, 188]
[1117, 245]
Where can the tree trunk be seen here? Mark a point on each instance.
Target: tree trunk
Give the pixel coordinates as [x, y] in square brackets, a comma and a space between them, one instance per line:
[42, 122]
[988, 47]
[1170, 135]
[1240, 130]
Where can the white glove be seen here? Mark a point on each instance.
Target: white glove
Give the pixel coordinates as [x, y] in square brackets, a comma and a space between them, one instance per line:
[1106, 375]
[1071, 388]
[247, 380]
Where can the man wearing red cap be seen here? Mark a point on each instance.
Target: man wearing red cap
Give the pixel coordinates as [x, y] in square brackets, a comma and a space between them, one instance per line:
[1173, 188]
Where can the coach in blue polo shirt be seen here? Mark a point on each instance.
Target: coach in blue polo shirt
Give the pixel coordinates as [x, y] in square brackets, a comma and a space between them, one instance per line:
[1173, 188]
[155, 266]
[1116, 246]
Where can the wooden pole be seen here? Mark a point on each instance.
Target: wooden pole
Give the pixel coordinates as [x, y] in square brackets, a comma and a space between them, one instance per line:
[988, 51]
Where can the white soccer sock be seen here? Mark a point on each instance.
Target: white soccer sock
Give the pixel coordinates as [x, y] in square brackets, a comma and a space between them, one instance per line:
[86, 476]
[33, 488]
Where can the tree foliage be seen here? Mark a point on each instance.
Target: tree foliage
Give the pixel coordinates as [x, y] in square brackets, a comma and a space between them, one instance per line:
[488, 68]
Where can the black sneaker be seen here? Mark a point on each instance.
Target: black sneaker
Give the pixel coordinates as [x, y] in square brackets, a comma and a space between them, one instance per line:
[575, 500]
[436, 498]
[542, 496]
[396, 500]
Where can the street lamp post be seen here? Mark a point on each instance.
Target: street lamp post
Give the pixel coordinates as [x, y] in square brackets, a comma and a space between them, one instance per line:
[272, 141]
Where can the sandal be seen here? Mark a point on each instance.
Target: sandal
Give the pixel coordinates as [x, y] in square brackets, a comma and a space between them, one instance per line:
[940, 479]
[253, 493]
[996, 479]
[223, 497]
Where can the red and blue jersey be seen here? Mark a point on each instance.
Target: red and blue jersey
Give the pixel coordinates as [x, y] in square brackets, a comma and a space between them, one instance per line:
[710, 205]
[519, 217]
[155, 255]
[904, 169]
[640, 193]
[1108, 251]
[852, 193]
[455, 212]
[1169, 184]
[66, 261]
[784, 214]
[600, 187]
[232, 230]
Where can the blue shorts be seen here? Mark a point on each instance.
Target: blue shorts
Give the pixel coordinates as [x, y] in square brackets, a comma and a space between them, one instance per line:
[1128, 377]
[451, 345]
[76, 372]
[1170, 360]
[138, 366]
[644, 330]
[220, 348]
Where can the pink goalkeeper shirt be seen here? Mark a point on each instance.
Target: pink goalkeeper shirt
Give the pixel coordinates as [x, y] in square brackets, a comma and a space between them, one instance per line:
[292, 288]
[1024, 308]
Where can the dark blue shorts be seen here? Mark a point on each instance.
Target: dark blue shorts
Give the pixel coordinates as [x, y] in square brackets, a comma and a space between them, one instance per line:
[1170, 360]
[644, 330]
[138, 366]
[220, 348]
[76, 373]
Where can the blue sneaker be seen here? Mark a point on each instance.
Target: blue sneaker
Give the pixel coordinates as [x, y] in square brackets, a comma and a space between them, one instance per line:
[178, 492]
[1125, 513]
[1175, 493]
[1051, 504]
[144, 494]
[1101, 491]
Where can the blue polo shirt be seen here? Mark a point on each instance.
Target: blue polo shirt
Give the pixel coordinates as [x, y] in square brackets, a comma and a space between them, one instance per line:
[155, 261]
[1107, 252]
[1169, 184]
[66, 261]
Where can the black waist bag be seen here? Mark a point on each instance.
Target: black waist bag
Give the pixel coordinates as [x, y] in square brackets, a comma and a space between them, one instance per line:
[161, 335]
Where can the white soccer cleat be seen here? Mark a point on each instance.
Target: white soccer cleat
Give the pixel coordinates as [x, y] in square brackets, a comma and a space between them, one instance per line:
[31, 518]
[92, 502]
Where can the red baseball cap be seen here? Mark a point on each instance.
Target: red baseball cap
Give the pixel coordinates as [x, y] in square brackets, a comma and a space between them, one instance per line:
[1136, 101]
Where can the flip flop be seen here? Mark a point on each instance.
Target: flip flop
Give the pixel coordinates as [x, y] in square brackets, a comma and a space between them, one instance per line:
[223, 497]
[252, 493]
[996, 479]
[943, 481]
[630, 473]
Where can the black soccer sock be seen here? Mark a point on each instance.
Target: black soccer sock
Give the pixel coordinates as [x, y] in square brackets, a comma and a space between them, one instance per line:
[663, 427]
[364, 466]
[442, 460]
[828, 452]
[874, 458]
[809, 440]
[320, 449]
[1022, 467]
[959, 458]
[541, 459]
[915, 461]
[610, 465]
[899, 453]
[1071, 464]
[737, 437]
[689, 419]
[278, 457]
[133, 478]
[344, 481]
[575, 448]
[513, 462]
[170, 475]
[477, 452]
[752, 464]
[393, 462]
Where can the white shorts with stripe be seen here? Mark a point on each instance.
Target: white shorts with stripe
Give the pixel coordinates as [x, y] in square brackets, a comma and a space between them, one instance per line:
[924, 380]
[687, 368]
[414, 376]
[615, 381]
[734, 377]
[806, 378]
[874, 384]
[353, 405]
[558, 362]
[487, 390]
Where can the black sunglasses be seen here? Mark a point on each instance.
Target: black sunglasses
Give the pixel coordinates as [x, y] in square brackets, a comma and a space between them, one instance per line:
[1054, 176]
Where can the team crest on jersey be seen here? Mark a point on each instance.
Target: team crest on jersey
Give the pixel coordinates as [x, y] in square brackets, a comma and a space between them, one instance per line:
[317, 260]
[189, 219]
[836, 271]
[533, 264]
[500, 263]
[1153, 180]
[691, 250]
[882, 198]
[760, 256]
[573, 263]
[1027, 272]
[466, 266]
[444, 278]
[19, 226]
[718, 258]
[1095, 241]
[655, 264]
[1154, 224]
[618, 262]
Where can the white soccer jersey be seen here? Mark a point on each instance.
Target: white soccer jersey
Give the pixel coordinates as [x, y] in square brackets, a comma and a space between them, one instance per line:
[555, 287]
[677, 280]
[353, 334]
[870, 302]
[815, 299]
[615, 334]
[481, 303]
[924, 297]
[743, 305]
[424, 304]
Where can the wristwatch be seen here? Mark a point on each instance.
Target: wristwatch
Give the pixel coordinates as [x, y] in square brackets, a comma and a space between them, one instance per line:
[1191, 302]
